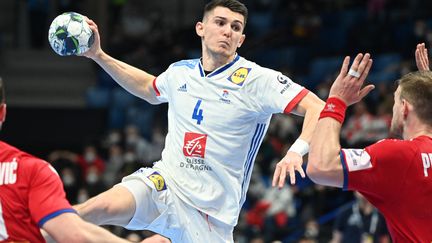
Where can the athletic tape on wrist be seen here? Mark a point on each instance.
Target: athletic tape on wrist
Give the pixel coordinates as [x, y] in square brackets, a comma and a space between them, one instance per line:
[299, 146]
[334, 108]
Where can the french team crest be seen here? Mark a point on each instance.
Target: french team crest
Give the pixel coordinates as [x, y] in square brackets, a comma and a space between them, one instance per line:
[239, 76]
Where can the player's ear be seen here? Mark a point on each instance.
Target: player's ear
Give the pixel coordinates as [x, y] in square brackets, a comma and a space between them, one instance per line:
[2, 112]
[242, 39]
[406, 108]
[199, 28]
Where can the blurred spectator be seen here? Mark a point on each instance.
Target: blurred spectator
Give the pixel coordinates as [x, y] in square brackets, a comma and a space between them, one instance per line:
[136, 143]
[90, 157]
[357, 130]
[69, 171]
[93, 181]
[360, 223]
[115, 162]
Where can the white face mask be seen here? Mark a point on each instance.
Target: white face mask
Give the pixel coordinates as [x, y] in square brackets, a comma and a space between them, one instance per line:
[68, 180]
[129, 157]
[92, 178]
[82, 196]
[114, 138]
[90, 157]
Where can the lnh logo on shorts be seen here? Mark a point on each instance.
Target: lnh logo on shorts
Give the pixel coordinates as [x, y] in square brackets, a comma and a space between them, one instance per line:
[194, 144]
[158, 181]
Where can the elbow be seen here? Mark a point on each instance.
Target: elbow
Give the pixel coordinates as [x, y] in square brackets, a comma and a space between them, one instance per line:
[313, 170]
[319, 171]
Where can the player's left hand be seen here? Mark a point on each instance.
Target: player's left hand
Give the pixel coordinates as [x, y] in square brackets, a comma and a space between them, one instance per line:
[348, 85]
[291, 163]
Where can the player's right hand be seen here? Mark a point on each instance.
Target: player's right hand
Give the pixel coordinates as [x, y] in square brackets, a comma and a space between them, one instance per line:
[95, 50]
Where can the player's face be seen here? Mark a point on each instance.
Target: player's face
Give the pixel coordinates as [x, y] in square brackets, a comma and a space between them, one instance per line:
[221, 31]
[396, 127]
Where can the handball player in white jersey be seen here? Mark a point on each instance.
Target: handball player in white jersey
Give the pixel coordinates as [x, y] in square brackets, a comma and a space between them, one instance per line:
[220, 107]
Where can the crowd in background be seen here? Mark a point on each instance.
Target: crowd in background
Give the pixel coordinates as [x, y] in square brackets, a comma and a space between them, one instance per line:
[306, 40]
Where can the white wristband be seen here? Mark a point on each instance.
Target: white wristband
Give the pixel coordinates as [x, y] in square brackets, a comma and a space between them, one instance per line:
[300, 146]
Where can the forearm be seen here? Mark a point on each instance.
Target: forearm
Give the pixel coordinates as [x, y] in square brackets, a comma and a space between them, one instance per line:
[310, 121]
[134, 80]
[95, 234]
[68, 227]
[309, 107]
[324, 166]
[113, 207]
[93, 211]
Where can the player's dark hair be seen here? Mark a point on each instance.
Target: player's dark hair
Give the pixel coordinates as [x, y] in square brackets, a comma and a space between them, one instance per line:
[416, 88]
[233, 5]
[2, 92]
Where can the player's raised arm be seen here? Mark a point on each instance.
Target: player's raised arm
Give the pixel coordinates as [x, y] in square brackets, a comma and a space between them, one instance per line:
[134, 80]
[324, 166]
[309, 107]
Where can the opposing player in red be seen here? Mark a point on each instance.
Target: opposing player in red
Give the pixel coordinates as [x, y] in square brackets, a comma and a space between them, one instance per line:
[394, 175]
[32, 197]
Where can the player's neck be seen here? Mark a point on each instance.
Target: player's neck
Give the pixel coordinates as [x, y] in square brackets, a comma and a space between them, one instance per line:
[417, 131]
[212, 61]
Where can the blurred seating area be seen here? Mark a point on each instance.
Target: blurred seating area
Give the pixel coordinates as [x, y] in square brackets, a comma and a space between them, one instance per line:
[306, 40]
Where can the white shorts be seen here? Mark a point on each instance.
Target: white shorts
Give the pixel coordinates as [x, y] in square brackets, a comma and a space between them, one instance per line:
[161, 211]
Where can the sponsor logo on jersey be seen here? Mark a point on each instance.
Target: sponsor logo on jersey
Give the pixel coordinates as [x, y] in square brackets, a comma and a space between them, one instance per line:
[357, 159]
[284, 80]
[239, 75]
[194, 144]
[158, 181]
[182, 88]
[224, 97]
[8, 172]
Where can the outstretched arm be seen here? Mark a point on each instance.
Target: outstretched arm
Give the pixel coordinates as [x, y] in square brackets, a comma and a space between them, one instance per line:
[69, 227]
[115, 207]
[310, 106]
[324, 165]
[134, 80]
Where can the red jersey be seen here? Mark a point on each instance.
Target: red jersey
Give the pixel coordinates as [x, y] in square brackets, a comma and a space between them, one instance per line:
[395, 176]
[31, 193]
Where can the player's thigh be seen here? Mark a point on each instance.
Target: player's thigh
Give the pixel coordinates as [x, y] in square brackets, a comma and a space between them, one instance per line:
[145, 209]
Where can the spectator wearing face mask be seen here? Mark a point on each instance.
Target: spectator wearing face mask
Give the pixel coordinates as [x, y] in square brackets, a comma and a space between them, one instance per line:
[93, 181]
[90, 157]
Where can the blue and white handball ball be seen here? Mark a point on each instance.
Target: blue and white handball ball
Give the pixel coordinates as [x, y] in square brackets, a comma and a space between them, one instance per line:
[69, 34]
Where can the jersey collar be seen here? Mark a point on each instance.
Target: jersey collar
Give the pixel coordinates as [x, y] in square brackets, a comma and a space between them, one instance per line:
[218, 70]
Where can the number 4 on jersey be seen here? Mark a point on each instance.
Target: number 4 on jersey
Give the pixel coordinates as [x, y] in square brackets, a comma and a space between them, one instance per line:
[198, 113]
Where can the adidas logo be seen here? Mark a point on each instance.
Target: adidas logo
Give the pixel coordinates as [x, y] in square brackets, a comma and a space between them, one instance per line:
[182, 88]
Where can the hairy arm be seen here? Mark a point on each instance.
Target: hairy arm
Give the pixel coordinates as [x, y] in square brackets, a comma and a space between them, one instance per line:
[324, 165]
[115, 207]
[69, 227]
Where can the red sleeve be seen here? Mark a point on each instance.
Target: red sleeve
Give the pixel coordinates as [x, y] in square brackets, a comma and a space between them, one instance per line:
[295, 101]
[386, 176]
[155, 87]
[47, 198]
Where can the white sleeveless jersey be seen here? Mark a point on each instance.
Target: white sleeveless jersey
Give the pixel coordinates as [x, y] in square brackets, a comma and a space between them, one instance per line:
[216, 124]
